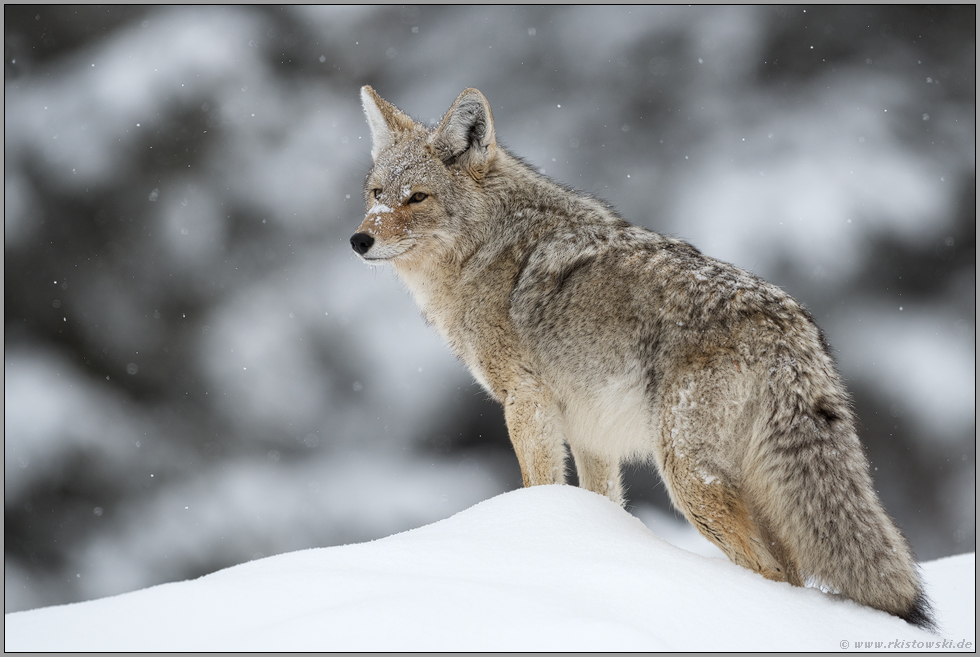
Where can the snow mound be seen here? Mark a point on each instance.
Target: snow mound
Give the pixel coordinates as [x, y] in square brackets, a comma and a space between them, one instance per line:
[544, 568]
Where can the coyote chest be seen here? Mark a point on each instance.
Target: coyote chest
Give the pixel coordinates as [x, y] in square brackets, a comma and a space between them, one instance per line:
[616, 343]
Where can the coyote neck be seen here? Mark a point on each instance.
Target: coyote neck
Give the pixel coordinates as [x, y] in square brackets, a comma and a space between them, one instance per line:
[482, 256]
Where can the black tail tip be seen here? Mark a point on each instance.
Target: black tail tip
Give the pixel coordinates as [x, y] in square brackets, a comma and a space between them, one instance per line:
[920, 614]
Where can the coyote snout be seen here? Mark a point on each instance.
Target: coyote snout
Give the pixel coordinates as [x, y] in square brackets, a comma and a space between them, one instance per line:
[361, 242]
[386, 231]
[623, 344]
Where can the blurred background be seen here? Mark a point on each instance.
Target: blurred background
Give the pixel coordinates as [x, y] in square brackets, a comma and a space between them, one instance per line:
[199, 372]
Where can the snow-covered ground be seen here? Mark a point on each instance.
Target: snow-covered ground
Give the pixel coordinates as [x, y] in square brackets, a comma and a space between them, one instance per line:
[546, 568]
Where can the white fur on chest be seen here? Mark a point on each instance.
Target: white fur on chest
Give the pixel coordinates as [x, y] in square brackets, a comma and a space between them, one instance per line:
[614, 421]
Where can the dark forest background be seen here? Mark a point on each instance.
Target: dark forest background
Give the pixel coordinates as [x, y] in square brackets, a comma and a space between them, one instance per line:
[198, 371]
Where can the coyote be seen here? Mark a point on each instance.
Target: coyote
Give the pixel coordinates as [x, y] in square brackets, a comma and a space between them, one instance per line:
[629, 345]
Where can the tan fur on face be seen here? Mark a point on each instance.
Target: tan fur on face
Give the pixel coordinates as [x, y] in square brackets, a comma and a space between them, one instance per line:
[391, 228]
[385, 224]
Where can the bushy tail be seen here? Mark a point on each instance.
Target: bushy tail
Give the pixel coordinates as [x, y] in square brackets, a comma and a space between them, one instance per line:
[811, 484]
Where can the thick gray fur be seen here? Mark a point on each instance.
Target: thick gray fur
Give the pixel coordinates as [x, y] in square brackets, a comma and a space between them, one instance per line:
[624, 344]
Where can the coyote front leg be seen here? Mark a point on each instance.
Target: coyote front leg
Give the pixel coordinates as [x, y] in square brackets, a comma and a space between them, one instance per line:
[598, 474]
[534, 425]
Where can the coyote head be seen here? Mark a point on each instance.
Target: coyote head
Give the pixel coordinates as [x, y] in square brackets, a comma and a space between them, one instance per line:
[424, 180]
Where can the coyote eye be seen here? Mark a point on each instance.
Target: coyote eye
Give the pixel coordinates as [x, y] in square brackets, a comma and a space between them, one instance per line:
[418, 197]
[376, 192]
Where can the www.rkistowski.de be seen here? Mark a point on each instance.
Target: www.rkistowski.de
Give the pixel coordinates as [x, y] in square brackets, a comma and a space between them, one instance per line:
[939, 644]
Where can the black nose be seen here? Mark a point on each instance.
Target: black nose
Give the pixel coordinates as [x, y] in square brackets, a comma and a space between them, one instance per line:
[361, 242]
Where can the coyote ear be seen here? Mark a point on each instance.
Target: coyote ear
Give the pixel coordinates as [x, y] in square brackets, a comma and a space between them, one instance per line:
[384, 119]
[465, 135]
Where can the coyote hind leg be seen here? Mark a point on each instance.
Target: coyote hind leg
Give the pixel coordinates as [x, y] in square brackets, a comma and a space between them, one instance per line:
[719, 513]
